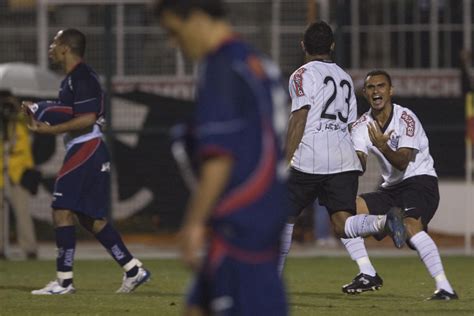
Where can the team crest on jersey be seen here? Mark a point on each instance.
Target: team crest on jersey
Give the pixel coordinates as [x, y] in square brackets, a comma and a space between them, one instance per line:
[394, 138]
[410, 131]
[298, 81]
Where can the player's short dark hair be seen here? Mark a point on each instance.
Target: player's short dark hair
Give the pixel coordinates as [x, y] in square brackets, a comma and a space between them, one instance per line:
[318, 38]
[182, 8]
[75, 39]
[379, 72]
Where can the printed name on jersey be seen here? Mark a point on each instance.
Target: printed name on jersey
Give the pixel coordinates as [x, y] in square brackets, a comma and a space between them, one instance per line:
[298, 81]
[410, 131]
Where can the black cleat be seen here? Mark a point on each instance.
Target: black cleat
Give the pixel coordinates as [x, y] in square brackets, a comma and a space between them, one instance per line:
[443, 295]
[394, 226]
[363, 283]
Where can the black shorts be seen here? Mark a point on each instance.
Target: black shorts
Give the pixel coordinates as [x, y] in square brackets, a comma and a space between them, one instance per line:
[337, 191]
[418, 196]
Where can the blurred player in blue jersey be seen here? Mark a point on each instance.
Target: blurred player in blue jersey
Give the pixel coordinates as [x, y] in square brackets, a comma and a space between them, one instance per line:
[240, 194]
[81, 189]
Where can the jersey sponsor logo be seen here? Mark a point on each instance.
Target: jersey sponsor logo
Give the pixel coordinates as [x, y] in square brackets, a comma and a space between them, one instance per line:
[298, 82]
[410, 131]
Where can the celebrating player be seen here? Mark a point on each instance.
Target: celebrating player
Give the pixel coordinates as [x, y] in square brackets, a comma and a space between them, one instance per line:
[240, 194]
[323, 161]
[82, 187]
[395, 136]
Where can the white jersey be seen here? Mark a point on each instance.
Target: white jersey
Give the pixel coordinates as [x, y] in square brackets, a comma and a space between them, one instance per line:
[408, 133]
[326, 146]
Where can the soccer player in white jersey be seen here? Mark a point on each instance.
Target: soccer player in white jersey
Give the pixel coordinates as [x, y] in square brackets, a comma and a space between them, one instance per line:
[323, 162]
[395, 136]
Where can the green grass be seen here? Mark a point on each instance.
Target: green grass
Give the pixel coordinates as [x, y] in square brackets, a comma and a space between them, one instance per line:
[313, 284]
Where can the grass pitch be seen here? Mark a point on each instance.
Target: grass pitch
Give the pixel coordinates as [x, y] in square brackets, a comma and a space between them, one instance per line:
[314, 286]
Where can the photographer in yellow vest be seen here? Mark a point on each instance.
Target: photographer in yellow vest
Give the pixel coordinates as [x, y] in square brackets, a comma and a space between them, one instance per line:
[19, 179]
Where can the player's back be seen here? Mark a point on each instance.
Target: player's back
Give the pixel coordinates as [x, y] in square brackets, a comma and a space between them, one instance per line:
[326, 146]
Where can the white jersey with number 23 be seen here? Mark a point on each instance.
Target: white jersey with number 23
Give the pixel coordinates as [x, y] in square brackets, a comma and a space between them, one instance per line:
[326, 146]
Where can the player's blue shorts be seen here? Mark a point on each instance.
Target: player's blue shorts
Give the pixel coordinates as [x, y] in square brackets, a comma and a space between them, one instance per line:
[82, 184]
[229, 286]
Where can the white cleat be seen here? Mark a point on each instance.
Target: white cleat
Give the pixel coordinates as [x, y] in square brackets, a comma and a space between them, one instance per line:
[54, 288]
[130, 284]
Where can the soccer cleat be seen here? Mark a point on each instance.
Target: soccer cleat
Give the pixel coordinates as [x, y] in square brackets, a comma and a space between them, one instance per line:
[443, 295]
[54, 288]
[130, 284]
[363, 283]
[394, 226]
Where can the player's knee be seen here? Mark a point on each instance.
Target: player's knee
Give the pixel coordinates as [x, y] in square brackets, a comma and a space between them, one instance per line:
[98, 225]
[63, 218]
[338, 228]
[361, 206]
[339, 232]
[194, 311]
[413, 226]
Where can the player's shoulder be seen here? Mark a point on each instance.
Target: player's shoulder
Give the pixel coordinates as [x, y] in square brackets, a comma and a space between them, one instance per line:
[407, 119]
[299, 72]
[403, 113]
[82, 72]
[363, 120]
[228, 58]
[342, 73]
[326, 68]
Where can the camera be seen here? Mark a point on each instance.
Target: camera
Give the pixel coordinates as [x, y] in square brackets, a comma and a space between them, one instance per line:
[8, 111]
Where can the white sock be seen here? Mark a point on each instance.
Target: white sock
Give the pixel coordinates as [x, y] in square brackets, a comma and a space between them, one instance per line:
[363, 225]
[429, 254]
[356, 248]
[286, 237]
